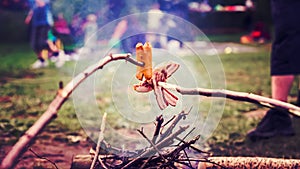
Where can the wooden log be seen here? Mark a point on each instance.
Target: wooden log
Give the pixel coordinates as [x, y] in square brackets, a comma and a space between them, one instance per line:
[84, 162]
[250, 162]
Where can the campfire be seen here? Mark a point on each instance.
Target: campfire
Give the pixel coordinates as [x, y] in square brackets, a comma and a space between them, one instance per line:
[166, 149]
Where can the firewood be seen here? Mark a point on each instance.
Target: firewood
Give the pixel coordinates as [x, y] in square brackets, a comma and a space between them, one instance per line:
[249, 162]
[82, 161]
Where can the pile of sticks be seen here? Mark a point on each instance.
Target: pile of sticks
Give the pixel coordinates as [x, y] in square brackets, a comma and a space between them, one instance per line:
[165, 150]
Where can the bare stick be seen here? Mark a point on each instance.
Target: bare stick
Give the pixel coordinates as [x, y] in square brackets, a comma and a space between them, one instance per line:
[100, 139]
[194, 148]
[183, 146]
[240, 96]
[18, 149]
[159, 121]
[186, 136]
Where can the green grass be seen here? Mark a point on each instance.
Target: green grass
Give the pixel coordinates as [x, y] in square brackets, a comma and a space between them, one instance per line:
[29, 92]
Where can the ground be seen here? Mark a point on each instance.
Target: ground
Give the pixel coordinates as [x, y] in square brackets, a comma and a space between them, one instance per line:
[49, 146]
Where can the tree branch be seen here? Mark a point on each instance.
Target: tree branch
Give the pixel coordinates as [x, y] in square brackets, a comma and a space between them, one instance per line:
[18, 149]
[240, 96]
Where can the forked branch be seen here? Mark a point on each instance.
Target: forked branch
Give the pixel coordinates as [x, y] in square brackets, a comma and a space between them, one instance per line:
[62, 95]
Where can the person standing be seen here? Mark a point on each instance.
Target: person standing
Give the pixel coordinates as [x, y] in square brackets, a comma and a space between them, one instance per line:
[90, 29]
[285, 64]
[41, 19]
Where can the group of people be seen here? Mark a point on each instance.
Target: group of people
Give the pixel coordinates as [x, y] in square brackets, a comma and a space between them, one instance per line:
[50, 37]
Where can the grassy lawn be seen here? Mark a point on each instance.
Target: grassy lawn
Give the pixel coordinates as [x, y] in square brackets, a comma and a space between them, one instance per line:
[25, 94]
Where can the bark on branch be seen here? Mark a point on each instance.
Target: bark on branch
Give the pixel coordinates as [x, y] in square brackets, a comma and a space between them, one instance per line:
[240, 96]
[62, 95]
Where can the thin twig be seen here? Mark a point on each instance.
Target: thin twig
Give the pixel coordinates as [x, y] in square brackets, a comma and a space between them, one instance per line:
[169, 121]
[183, 146]
[163, 126]
[186, 155]
[53, 163]
[152, 144]
[17, 150]
[159, 121]
[145, 163]
[194, 148]
[181, 140]
[100, 139]
[240, 96]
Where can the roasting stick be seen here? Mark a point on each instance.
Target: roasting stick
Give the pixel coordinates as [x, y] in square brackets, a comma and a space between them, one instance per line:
[240, 96]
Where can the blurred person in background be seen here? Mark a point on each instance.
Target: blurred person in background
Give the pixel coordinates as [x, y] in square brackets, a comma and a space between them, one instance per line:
[90, 29]
[65, 40]
[154, 25]
[41, 19]
[178, 8]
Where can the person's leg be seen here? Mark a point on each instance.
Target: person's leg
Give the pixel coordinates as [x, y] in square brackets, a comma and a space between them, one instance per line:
[276, 122]
[41, 47]
[281, 86]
